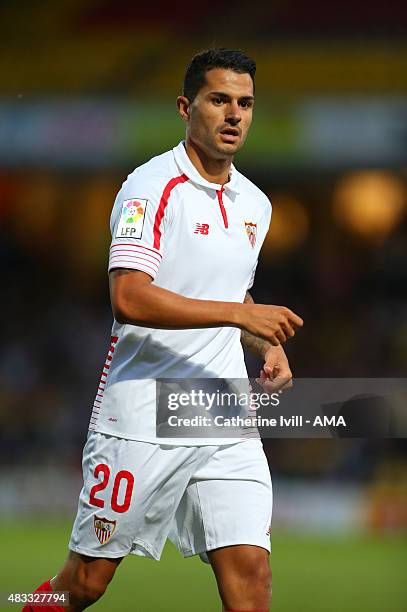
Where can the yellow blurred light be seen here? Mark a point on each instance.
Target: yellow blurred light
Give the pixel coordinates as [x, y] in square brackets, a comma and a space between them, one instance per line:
[289, 225]
[370, 203]
[87, 240]
[35, 207]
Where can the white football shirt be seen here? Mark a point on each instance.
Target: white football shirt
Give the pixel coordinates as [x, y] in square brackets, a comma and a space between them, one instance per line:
[200, 240]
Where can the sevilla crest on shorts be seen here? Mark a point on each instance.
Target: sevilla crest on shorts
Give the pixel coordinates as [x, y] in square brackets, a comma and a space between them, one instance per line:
[104, 528]
[251, 231]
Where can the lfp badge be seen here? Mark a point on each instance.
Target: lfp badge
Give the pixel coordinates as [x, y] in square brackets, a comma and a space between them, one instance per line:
[251, 231]
[104, 528]
[132, 219]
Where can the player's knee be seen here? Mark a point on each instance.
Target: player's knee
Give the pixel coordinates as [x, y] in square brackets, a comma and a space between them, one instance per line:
[85, 590]
[247, 583]
[260, 574]
[256, 575]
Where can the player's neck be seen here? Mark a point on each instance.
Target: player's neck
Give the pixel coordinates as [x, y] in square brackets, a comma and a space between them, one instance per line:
[213, 170]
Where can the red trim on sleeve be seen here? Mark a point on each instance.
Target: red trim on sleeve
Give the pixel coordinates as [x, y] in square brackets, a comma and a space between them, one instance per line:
[139, 266]
[162, 206]
[136, 257]
[135, 247]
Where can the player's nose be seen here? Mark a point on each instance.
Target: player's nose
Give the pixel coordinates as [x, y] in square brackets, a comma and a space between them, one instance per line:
[233, 115]
[233, 119]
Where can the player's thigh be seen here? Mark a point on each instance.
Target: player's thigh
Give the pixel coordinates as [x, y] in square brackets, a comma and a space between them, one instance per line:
[130, 494]
[228, 502]
[236, 497]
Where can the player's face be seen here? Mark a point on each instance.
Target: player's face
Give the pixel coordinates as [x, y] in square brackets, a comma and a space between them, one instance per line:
[220, 116]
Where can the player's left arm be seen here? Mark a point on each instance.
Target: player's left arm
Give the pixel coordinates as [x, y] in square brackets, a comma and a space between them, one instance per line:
[276, 373]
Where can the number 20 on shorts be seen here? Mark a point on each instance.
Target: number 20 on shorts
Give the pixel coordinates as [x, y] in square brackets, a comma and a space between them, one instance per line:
[104, 469]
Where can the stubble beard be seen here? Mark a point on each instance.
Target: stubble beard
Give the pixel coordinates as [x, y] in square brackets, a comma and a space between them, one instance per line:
[224, 149]
[214, 148]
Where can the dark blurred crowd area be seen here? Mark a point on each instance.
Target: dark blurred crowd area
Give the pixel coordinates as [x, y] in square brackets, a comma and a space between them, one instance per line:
[336, 253]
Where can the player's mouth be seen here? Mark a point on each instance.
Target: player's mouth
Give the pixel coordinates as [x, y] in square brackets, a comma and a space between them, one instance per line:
[230, 134]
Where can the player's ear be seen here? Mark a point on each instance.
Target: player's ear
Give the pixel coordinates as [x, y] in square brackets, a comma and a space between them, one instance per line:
[183, 105]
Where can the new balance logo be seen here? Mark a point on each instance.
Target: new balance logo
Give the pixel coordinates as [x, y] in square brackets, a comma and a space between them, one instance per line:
[202, 228]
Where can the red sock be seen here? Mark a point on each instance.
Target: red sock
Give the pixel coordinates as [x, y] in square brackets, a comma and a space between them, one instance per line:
[45, 587]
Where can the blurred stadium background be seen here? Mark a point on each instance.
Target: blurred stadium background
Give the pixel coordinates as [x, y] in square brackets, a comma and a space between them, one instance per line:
[87, 92]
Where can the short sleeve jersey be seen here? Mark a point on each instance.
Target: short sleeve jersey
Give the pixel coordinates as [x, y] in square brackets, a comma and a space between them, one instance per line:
[197, 239]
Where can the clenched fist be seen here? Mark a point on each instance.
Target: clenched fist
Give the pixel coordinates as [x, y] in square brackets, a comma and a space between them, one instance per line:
[273, 323]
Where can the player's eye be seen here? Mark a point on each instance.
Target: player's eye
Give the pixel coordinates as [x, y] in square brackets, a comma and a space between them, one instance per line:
[246, 103]
[217, 100]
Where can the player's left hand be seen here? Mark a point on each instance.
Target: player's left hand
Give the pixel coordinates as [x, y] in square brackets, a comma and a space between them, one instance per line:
[275, 374]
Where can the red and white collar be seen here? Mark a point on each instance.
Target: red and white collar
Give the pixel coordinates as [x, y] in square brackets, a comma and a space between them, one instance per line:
[187, 167]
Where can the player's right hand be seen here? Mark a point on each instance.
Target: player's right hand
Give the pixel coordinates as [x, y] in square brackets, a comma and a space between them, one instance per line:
[273, 323]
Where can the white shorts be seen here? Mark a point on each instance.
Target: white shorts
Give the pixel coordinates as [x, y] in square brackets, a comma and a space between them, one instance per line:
[136, 494]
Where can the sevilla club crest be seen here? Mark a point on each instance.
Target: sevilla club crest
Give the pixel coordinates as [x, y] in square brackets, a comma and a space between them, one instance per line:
[251, 231]
[104, 528]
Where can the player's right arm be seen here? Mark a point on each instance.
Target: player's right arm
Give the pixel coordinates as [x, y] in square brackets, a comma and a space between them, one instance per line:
[137, 301]
[140, 223]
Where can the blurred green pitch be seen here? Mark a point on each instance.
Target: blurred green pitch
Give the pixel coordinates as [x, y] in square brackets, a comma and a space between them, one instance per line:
[310, 574]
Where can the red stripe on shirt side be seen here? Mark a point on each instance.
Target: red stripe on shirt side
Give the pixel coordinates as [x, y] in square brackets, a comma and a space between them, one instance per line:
[97, 403]
[163, 205]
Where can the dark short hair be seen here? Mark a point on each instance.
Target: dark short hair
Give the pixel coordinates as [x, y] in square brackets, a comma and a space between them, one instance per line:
[204, 61]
